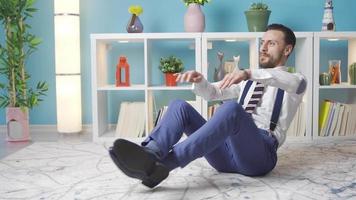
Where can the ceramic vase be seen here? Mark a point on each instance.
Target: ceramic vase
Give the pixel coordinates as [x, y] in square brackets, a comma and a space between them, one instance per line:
[325, 78]
[194, 19]
[17, 124]
[257, 21]
[134, 25]
[352, 73]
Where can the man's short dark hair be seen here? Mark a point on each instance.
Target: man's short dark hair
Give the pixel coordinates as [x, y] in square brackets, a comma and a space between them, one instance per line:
[289, 37]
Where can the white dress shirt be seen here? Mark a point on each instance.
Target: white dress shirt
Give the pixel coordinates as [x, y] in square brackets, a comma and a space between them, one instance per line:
[294, 85]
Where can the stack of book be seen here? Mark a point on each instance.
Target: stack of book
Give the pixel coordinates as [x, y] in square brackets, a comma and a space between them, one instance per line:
[297, 127]
[337, 119]
[131, 120]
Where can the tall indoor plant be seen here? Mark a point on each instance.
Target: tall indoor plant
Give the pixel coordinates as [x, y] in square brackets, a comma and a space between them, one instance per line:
[194, 19]
[257, 17]
[18, 45]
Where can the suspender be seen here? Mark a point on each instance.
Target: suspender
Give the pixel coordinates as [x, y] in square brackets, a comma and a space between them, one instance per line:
[244, 93]
[276, 107]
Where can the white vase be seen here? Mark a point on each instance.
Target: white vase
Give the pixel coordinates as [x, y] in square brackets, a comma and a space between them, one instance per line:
[194, 19]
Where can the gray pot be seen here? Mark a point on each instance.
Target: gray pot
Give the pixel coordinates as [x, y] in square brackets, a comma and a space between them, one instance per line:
[257, 20]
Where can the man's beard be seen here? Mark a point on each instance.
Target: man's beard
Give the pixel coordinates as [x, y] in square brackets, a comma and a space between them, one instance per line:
[271, 63]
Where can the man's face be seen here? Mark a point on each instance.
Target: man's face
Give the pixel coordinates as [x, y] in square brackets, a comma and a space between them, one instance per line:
[273, 50]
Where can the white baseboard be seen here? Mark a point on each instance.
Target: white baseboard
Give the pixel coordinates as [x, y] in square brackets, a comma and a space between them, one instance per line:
[86, 129]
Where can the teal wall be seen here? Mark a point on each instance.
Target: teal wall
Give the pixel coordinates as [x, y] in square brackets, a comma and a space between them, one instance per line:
[111, 16]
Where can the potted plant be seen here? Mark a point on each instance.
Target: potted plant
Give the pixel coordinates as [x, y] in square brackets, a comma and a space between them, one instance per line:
[169, 66]
[194, 19]
[18, 44]
[257, 17]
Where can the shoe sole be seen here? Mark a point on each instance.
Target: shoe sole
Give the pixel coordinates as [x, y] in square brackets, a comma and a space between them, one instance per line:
[137, 163]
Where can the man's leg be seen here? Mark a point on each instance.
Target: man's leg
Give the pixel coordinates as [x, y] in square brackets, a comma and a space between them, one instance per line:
[229, 133]
[142, 163]
[182, 117]
[254, 151]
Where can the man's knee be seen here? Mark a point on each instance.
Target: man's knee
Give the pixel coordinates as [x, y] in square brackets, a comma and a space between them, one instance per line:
[231, 106]
[179, 103]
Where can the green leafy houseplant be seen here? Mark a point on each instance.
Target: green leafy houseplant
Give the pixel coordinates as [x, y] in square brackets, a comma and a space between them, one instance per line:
[171, 64]
[200, 2]
[257, 17]
[18, 45]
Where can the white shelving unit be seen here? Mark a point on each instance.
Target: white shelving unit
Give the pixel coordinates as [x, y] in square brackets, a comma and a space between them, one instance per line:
[198, 46]
[101, 44]
[302, 56]
[337, 91]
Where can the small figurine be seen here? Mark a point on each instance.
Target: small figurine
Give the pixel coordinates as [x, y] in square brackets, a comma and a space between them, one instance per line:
[236, 62]
[328, 19]
[220, 72]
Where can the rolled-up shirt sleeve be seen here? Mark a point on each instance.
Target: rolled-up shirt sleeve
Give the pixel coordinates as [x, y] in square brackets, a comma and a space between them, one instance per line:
[289, 82]
[211, 91]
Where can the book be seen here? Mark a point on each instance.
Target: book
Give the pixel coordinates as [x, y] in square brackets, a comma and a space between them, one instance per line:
[131, 120]
[323, 114]
[337, 131]
[325, 117]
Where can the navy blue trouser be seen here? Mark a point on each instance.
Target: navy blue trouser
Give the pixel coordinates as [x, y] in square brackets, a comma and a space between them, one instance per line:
[230, 140]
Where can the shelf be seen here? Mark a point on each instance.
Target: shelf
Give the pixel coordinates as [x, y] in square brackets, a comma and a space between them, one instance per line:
[335, 35]
[185, 87]
[113, 87]
[343, 85]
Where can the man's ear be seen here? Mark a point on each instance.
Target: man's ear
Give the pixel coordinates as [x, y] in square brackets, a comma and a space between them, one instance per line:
[288, 50]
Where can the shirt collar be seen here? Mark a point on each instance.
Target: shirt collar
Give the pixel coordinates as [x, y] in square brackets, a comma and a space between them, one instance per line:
[284, 68]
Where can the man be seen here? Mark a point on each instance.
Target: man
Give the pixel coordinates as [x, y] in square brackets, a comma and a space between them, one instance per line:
[241, 137]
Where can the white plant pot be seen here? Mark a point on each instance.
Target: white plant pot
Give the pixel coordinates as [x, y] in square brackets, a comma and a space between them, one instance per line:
[17, 124]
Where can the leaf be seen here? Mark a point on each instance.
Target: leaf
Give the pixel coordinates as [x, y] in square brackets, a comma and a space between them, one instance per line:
[35, 41]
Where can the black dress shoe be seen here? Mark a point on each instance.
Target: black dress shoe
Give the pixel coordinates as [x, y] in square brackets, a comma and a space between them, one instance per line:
[137, 162]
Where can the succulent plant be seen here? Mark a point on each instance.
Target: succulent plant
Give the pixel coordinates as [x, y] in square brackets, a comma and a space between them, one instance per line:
[258, 6]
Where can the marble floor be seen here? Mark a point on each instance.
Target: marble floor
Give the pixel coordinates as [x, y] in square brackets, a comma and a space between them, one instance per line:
[78, 169]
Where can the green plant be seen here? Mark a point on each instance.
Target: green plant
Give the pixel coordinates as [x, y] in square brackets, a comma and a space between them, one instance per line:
[18, 45]
[258, 6]
[200, 2]
[171, 64]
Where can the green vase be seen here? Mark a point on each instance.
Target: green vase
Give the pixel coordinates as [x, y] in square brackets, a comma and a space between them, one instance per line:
[257, 20]
[324, 78]
[352, 73]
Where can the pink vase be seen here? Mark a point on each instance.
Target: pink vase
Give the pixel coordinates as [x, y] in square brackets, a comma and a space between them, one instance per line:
[17, 124]
[194, 19]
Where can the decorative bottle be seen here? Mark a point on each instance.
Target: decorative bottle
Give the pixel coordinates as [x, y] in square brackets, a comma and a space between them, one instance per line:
[122, 72]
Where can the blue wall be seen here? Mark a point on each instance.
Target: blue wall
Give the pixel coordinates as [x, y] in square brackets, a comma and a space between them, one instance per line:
[111, 16]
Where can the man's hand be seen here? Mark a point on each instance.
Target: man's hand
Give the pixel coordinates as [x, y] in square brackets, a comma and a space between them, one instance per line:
[233, 78]
[189, 76]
